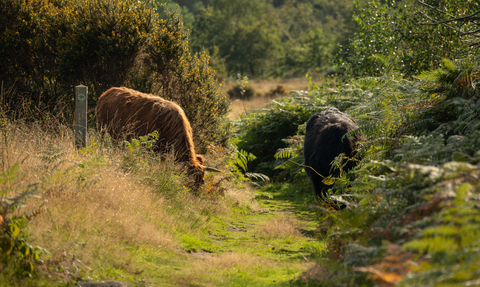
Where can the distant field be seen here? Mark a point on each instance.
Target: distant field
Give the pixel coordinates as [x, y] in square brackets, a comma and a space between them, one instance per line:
[262, 86]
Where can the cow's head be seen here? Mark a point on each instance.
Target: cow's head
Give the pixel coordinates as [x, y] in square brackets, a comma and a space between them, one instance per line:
[197, 171]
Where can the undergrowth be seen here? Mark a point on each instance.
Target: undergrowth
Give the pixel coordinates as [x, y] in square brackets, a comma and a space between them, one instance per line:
[411, 202]
[117, 193]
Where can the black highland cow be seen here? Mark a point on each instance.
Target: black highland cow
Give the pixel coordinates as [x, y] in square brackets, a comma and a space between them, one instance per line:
[323, 142]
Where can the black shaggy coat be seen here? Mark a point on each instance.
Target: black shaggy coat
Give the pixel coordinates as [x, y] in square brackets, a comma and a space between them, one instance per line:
[323, 142]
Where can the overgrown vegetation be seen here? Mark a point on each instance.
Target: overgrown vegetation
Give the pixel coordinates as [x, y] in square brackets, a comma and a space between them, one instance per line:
[410, 216]
[48, 47]
[16, 250]
[411, 204]
[411, 197]
[393, 36]
[120, 212]
[269, 38]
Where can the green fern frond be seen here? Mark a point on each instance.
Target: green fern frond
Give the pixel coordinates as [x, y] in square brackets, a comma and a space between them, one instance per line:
[415, 126]
[255, 175]
[372, 128]
[285, 153]
[52, 157]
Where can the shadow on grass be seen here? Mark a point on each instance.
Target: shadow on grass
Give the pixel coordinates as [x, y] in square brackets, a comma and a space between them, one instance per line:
[289, 198]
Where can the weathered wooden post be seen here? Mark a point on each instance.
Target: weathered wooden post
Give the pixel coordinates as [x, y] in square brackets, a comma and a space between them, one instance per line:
[81, 93]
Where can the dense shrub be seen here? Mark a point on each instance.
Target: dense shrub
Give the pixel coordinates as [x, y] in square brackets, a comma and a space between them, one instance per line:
[277, 92]
[262, 131]
[187, 79]
[245, 93]
[51, 46]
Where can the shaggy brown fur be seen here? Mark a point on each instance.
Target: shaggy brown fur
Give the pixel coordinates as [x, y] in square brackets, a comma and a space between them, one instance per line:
[123, 111]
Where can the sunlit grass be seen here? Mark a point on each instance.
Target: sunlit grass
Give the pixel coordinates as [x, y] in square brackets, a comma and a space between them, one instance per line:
[281, 227]
[101, 219]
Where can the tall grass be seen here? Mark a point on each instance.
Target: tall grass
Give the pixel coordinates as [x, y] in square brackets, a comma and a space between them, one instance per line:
[102, 204]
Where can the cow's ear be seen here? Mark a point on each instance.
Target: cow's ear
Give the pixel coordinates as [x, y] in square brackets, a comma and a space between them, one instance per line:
[200, 159]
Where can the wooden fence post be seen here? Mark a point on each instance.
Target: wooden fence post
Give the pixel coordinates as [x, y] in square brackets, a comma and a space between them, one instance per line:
[81, 107]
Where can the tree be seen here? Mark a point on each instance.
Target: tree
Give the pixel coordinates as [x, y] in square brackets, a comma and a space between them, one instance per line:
[292, 36]
[462, 17]
[394, 36]
[253, 49]
[236, 33]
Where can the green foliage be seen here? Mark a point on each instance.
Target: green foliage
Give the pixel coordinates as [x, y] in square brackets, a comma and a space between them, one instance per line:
[243, 93]
[236, 30]
[158, 171]
[238, 163]
[452, 243]
[291, 157]
[242, 157]
[15, 249]
[134, 160]
[458, 78]
[376, 104]
[417, 179]
[398, 30]
[51, 157]
[257, 138]
[421, 145]
[88, 171]
[262, 131]
[247, 37]
[51, 46]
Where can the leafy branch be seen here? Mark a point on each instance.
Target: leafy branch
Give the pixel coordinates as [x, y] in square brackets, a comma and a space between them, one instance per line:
[471, 21]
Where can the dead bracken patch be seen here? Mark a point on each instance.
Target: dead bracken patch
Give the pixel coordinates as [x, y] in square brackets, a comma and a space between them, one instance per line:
[317, 273]
[231, 260]
[279, 227]
[392, 267]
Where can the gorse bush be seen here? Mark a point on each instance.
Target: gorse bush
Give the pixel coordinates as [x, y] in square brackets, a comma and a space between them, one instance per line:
[245, 93]
[51, 46]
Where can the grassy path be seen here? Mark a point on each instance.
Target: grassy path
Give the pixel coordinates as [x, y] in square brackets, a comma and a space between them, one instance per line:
[270, 246]
[114, 214]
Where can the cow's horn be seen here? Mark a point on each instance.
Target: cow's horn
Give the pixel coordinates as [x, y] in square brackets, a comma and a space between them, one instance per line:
[207, 168]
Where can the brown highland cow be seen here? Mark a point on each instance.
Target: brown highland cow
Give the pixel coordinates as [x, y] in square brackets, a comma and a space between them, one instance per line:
[123, 111]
